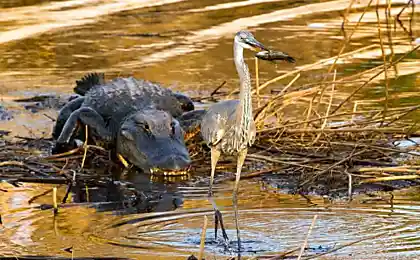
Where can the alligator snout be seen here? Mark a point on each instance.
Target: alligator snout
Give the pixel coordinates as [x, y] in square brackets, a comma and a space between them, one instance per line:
[154, 142]
[171, 165]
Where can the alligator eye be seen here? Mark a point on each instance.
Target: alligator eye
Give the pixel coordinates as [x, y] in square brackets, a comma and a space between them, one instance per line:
[146, 127]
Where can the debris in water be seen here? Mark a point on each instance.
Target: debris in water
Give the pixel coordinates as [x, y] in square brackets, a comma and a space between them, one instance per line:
[4, 114]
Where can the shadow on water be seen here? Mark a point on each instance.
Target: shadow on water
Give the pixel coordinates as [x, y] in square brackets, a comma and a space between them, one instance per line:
[47, 45]
[169, 221]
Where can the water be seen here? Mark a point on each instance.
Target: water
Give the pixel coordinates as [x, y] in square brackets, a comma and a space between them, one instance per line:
[271, 223]
[187, 45]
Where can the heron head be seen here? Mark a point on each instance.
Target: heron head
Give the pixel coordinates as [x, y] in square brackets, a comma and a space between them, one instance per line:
[248, 41]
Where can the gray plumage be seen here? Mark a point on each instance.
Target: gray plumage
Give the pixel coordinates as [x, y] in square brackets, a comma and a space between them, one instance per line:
[228, 127]
[222, 128]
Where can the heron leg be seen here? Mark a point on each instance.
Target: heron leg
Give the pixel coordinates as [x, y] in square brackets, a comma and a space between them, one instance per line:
[215, 155]
[241, 159]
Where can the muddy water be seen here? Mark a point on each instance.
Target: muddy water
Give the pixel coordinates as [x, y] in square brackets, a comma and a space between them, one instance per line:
[187, 45]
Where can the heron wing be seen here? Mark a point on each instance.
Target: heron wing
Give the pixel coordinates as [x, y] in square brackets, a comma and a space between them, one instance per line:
[218, 120]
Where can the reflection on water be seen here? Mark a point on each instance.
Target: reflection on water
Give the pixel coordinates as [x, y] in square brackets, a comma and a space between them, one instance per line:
[186, 45]
[271, 223]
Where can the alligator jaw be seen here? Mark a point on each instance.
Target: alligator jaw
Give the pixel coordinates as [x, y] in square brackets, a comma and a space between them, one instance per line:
[169, 172]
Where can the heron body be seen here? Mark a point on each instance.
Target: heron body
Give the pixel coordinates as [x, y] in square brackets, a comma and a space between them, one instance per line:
[228, 127]
[229, 140]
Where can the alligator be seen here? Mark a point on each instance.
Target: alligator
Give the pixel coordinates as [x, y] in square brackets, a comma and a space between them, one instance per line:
[135, 117]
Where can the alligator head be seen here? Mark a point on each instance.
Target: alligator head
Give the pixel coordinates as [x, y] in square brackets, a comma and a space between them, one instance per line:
[153, 141]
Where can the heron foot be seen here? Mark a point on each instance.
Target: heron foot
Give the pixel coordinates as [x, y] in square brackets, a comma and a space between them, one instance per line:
[219, 219]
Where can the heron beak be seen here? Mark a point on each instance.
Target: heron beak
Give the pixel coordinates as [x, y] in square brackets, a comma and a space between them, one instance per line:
[256, 45]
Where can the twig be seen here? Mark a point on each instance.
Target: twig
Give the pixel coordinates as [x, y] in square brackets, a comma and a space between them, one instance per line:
[250, 175]
[414, 169]
[217, 88]
[73, 151]
[348, 244]
[39, 195]
[384, 61]
[280, 256]
[374, 76]
[353, 154]
[340, 130]
[328, 109]
[212, 94]
[123, 161]
[309, 66]
[350, 186]
[388, 17]
[348, 39]
[392, 178]
[409, 32]
[55, 201]
[305, 242]
[11, 163]
[257, 82]
[269, 159]
[203, 238]
[39, 180]
[261, 110]
[69, 186]
[85, 147]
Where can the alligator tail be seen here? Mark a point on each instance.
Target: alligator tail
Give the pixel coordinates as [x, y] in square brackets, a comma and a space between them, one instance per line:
[88, 81]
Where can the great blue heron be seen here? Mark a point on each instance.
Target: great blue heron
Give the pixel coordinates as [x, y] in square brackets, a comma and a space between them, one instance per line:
[228, 127]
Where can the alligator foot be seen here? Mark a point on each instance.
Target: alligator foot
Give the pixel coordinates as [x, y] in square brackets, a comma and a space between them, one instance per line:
[88, 117]
[63, 147]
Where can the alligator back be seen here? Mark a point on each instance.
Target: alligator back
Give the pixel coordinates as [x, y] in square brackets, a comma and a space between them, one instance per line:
[121, 96]
[88, 81]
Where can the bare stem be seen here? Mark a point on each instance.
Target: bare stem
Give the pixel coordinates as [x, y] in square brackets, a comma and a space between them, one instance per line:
[203, 238]
[305, 242]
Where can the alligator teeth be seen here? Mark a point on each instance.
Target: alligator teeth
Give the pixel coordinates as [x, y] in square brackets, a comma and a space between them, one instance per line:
[158, 171]
[154, 170]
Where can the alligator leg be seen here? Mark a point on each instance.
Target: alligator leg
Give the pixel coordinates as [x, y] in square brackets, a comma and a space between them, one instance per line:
[64, 114]
[85, 116]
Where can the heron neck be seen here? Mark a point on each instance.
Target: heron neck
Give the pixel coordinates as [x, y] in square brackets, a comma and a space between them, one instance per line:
[245, 101]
